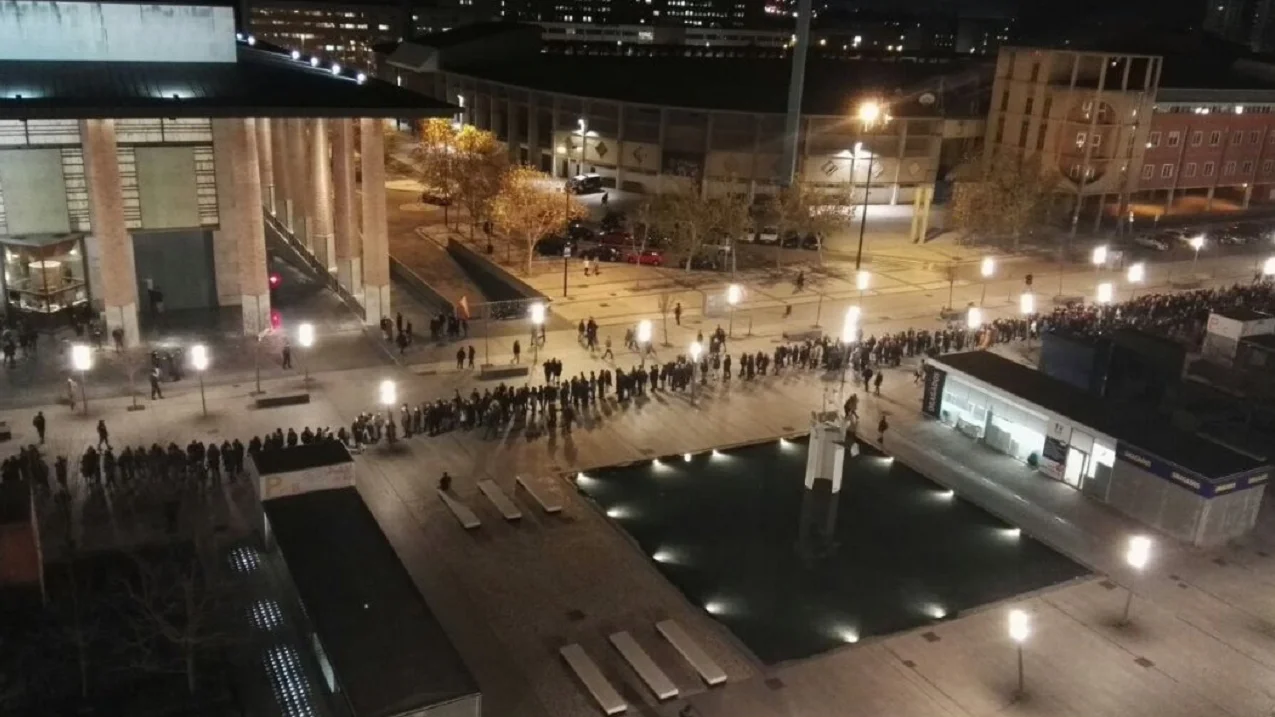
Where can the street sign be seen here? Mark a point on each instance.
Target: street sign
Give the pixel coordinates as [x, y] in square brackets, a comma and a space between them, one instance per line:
[566, 252]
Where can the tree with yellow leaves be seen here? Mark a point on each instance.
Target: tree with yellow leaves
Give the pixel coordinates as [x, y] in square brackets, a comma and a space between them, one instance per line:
[460, 164]
[1000, 196]
[527, 208]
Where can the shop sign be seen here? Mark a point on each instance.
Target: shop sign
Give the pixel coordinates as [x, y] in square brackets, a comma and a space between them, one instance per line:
[932, 399]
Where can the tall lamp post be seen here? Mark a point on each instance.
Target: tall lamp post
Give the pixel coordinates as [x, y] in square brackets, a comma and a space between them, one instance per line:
[1019, 630]
[644, 338]
[1197, 243]
[1106, 292]
[1136, 555]
[537, 320]
[696, 349]
[870, 115]
[1136, 274]
[305, 339]
[734, 293]
[199, 362]
[987, 268]
[387, 393]
[849, 335]
[82, 361]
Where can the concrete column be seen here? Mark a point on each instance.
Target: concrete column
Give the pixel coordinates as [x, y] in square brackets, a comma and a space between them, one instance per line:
[106, 219]
[534, 150]
[279, 165]
[249, 223]
[619, 146]
[512, 142]
[376, 254]
[298, 180]
[346, 244]
[663, 131]
[320, 205]
[826, 454]
[1248, 194]
[265, 158]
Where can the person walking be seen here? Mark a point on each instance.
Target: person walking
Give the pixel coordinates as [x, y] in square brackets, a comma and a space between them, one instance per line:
[460, 358]
[38, 422]
[677, 313]
[882, 426]
[103, 437]
[608, 352]
[876, 383]
[517, 351]
[471, 355]
[287, 355]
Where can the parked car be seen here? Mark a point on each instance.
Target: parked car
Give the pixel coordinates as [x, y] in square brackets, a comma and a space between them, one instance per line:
[612, 221]
[577, 230]
[435, 199]
[707, 262]
[585, 184]
[768, 236]
[553, 246]
[811, 242]
[605, 253]
[616, 238]
[650, 257]
[1152, 241]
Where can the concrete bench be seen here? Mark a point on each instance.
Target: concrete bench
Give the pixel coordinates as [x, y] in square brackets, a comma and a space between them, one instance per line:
[642, 664]
[691, 652]
[490, 371]
[589, 673]
[546, 502]
[460, 510]
[500, 500]
[287, 399]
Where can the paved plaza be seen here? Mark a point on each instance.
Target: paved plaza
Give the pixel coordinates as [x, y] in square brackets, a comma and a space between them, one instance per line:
[1202, 641]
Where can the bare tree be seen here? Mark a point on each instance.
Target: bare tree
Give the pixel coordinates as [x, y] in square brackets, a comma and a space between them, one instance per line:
[176, 595]
[526, 208]
[480, 165]
[666, 305]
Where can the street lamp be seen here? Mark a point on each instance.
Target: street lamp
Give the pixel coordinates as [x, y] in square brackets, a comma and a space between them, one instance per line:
[696, 349]
[870, 114]
[1268, 267]
[1105, 292]
[1136, 275]
[644, 337]
[584, 131]
[1099, 256]
[537, 321]
[1196, 243]
[388, 393]
[849, 334]
[1136, 555]
[974, 318]
[1019, 630]
[734, 293]
[305, 339]
[199, 362]
[986, 269]
[82, 361]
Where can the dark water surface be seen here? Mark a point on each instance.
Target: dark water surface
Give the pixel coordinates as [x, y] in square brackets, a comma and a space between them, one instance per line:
[737, 532]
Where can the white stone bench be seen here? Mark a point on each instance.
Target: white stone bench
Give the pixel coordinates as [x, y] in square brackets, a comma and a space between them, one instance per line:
[642, 664]
[500, 500]
[460, 510]
[547, 503]
[597, 685]
[692, 652]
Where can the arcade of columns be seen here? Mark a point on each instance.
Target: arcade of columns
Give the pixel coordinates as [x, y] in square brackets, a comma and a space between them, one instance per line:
[300, 170]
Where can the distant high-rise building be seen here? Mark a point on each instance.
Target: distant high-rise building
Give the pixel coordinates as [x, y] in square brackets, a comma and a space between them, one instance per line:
[1250, 23]
[686, 13]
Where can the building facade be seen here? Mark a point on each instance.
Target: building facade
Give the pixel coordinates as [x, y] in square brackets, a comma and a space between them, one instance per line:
[139, 177]
[1084, 116]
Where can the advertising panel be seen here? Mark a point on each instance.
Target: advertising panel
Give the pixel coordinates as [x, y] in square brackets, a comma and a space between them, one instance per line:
[932, 399]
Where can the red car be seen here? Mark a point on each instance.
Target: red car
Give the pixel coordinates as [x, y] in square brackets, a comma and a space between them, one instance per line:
[650, 257]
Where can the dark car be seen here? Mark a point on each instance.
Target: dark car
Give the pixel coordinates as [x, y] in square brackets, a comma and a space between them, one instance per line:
[612, 221]
[605, 253]
[579, 231]
[616, 238]
[553, 246]
[437, 200]
[706, 262]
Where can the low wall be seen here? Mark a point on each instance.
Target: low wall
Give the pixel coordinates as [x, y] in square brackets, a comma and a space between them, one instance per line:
[497, 283]
[417, 287]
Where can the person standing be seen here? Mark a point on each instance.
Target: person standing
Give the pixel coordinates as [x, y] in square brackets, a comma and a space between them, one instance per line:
[876, 383]
[460, 358]
[287, 355]
[882, 426]
[517, 351]
[38, 422]
[103, 437]
[677, 313]
[155, 390]
[471, 355]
